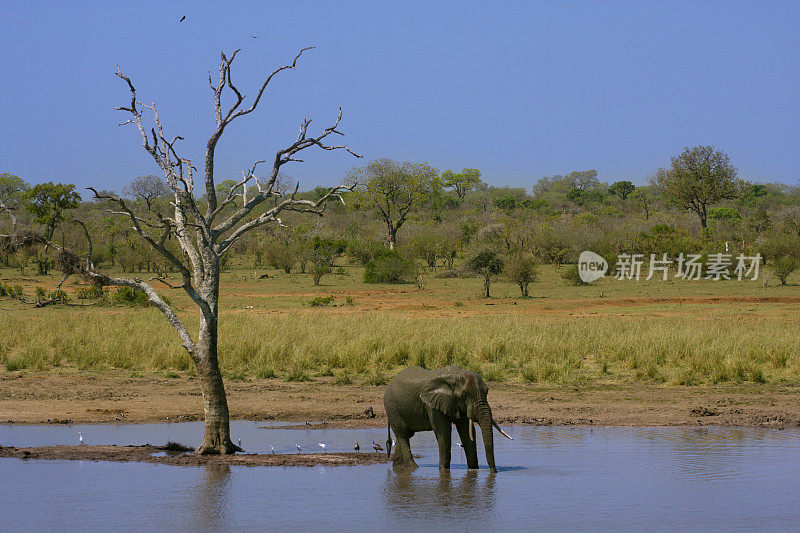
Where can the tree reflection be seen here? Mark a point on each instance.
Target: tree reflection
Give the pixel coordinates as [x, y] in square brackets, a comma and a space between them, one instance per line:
[213, 494]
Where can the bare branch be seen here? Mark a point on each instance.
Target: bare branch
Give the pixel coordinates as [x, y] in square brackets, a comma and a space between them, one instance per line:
[165, 282]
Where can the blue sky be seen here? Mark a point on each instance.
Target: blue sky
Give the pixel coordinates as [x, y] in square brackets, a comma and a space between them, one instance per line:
[519, 90]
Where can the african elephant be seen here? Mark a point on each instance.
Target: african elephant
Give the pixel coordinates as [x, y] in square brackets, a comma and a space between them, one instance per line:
[423, 400]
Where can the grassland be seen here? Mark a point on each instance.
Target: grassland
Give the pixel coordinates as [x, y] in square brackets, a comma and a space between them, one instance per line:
[679, 333]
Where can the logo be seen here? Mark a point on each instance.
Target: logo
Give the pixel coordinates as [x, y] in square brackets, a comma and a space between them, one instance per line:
[591, 266]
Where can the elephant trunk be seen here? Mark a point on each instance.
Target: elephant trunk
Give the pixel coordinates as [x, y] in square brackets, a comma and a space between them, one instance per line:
[484, 420]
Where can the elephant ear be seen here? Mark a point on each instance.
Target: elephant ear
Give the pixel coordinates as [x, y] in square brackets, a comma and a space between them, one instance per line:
[445, 393]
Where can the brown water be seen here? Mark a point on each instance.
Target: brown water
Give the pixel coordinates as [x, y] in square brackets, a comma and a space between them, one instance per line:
[551, 478]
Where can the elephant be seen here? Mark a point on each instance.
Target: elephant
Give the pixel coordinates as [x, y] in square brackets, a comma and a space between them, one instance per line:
[418, 399]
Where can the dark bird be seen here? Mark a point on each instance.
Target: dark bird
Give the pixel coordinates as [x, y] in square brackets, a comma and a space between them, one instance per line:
[356, 447]
[254, 36]
[377, 447]
[182, 18]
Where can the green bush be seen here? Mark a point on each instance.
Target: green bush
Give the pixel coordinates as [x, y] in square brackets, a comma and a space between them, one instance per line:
[389, 267]
[363, 251]
[131, 297]
[90, 293]
[572, 276]
[321, 301]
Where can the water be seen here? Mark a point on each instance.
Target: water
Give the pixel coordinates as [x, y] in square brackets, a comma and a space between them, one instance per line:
[551, 478]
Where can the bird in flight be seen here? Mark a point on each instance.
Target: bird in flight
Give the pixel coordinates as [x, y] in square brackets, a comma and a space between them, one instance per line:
[377, 447]
[182, 18]
[254, 36]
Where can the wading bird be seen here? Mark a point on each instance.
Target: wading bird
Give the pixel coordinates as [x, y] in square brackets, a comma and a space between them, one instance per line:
[356, 447]
[80, 438]
[321, 445]
[377, 447]
[272, 449]
[299, 449]
[239, 441]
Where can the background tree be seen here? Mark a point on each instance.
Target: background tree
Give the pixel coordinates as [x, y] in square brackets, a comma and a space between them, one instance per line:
[488, 263]
[12, 193]
[48, 201]
[148, 188]
[699, 177]
[644, 197]
[394, 190]
[463, 182]
[623, 189]
[521, 269]
[204, 232]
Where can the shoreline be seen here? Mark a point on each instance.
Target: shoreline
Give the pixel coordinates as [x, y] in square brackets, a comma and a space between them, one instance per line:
[82, 398]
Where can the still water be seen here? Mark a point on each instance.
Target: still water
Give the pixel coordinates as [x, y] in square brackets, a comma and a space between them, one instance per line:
[551, 478]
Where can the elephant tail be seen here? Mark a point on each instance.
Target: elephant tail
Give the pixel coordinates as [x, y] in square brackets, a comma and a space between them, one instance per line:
[388, 439]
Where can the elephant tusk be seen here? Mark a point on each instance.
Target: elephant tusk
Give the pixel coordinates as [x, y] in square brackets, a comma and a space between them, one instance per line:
[500, 430]
[471, 431]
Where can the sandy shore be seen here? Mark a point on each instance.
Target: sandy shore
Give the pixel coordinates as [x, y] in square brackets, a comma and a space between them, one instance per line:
[48, 397]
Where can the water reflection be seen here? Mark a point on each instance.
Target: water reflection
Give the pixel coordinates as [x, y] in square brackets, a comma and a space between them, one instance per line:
[213, 495]
[469, 494]
[556, 478]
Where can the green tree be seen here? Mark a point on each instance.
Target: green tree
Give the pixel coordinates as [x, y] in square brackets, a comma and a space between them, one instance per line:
[488, 263]
[394, 190]
[643, 197]
[12, 193]
[698, 178]
[48, 201]
[463, 182]
[623, 189]
[521, 269]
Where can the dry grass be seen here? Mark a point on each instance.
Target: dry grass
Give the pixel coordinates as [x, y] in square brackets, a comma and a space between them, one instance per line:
[682, 333]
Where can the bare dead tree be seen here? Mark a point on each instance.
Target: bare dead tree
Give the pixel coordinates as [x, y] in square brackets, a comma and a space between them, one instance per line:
[206, 232]
[148, 188]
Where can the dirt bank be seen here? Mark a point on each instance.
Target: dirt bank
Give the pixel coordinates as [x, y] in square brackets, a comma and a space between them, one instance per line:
[39, 398]
[157, 454]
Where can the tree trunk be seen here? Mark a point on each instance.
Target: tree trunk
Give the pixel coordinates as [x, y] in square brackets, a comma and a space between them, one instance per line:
[392, 238]
[217, 436]
[486, 282]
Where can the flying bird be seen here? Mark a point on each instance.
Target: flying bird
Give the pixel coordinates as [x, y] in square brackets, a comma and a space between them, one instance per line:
[254, 36]
[182, 18]
[377, 447]
[356, 447]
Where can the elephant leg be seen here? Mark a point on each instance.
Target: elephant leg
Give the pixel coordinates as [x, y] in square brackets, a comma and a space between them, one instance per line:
[443, 429]
[470, 446]
[402, 456]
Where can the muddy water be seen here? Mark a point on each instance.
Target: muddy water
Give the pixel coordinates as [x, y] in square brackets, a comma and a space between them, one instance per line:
[550, 478]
